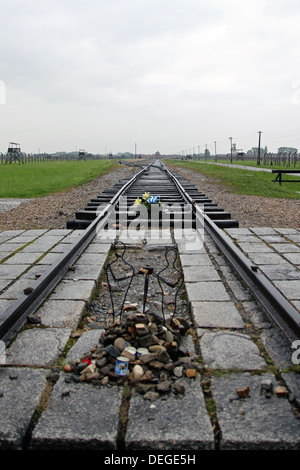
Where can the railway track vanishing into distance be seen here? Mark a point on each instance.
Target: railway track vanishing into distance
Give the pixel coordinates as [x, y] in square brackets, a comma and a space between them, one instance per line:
[185, 204]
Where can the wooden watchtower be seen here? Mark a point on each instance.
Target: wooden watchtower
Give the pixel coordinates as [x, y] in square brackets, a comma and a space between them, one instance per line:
[14, 153]
[81, 154]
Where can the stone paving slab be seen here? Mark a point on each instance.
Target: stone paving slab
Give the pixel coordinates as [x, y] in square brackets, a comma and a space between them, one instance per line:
[93, 259]
[6, 248]
[12, 271]
[200, 273]
[195, 259]
[61, 313]
[290, 288]
[88, 340]
[16, 289]
[221, 323]
[281, 265]
[38, 346]
[74, 290]
[23, 258]
[84, 272]
[180, 423]
[79, 416]
[283, 272]
[255, 422]
[204, 291]
[49, 258]
[227, 350]
[21, 391]
[216, 315]
[292, 381]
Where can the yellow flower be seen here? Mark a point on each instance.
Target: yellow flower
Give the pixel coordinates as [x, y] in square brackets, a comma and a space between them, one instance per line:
[146, 195]
[137, 201]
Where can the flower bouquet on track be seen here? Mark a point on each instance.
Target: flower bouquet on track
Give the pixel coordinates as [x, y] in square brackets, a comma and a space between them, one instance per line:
[148, 201]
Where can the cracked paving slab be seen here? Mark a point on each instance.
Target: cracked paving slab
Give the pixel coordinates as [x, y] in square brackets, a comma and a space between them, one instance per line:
[38, 346]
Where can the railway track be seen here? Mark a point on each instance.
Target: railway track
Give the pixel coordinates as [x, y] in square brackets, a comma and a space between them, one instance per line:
[185, 205]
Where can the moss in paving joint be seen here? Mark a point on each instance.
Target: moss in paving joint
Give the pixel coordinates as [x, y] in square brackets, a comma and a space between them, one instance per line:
[41, 407]
[123, 416]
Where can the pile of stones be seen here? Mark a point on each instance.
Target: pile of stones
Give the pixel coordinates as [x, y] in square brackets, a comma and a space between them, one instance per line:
[143, 351]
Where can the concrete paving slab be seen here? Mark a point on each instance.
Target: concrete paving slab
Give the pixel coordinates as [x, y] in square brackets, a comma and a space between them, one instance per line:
[11, 233]
[84, 272]
[266, 258]
[263, 230]
[4, 283]
[88, 340]
[292, 381]
[295, 238]
[285, 247]
[200, 273]
[74, 290]
[255, 422]
[98, 248]
[92, 259]
[59, 232]
[290, 289]
[35, 272]
[4, 305]
[12, 271]
[36, 247]
[272, 238]
[24, 239]
[180, 423]
[245, 238]
[202, 291]
[49, 258]
[234, 232]
[61, 313]
[189, 241]
[277, 347]
[227, 350]
[37, 346]
[105, 236]
[293, 258]
[216, 315]
[258, 247]
[79, 416]
[61, 248]
[284, 272]
[35, 232]
[286, 231]
[23, 258]
[19, 401]
[195, 259]
[14, 291]
[7, 248]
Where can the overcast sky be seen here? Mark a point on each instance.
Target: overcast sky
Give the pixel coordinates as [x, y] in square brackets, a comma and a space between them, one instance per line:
[155, 75]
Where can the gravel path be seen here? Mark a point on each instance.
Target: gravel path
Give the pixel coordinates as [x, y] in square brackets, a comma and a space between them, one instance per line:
[53, 211]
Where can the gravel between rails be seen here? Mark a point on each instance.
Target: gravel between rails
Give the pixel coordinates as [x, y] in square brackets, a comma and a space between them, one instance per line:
[52, 212]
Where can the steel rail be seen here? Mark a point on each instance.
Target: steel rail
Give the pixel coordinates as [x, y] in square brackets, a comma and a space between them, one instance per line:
[14, 317]
[277, 306]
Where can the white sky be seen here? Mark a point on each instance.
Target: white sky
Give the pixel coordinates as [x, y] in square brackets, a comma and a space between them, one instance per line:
[166, 75]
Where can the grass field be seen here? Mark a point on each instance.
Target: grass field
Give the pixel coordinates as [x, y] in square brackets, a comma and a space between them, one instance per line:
[43, 178]
[257, 183]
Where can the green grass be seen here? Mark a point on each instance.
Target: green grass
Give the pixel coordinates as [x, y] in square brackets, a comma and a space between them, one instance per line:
[33, 180]
[257, 183]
